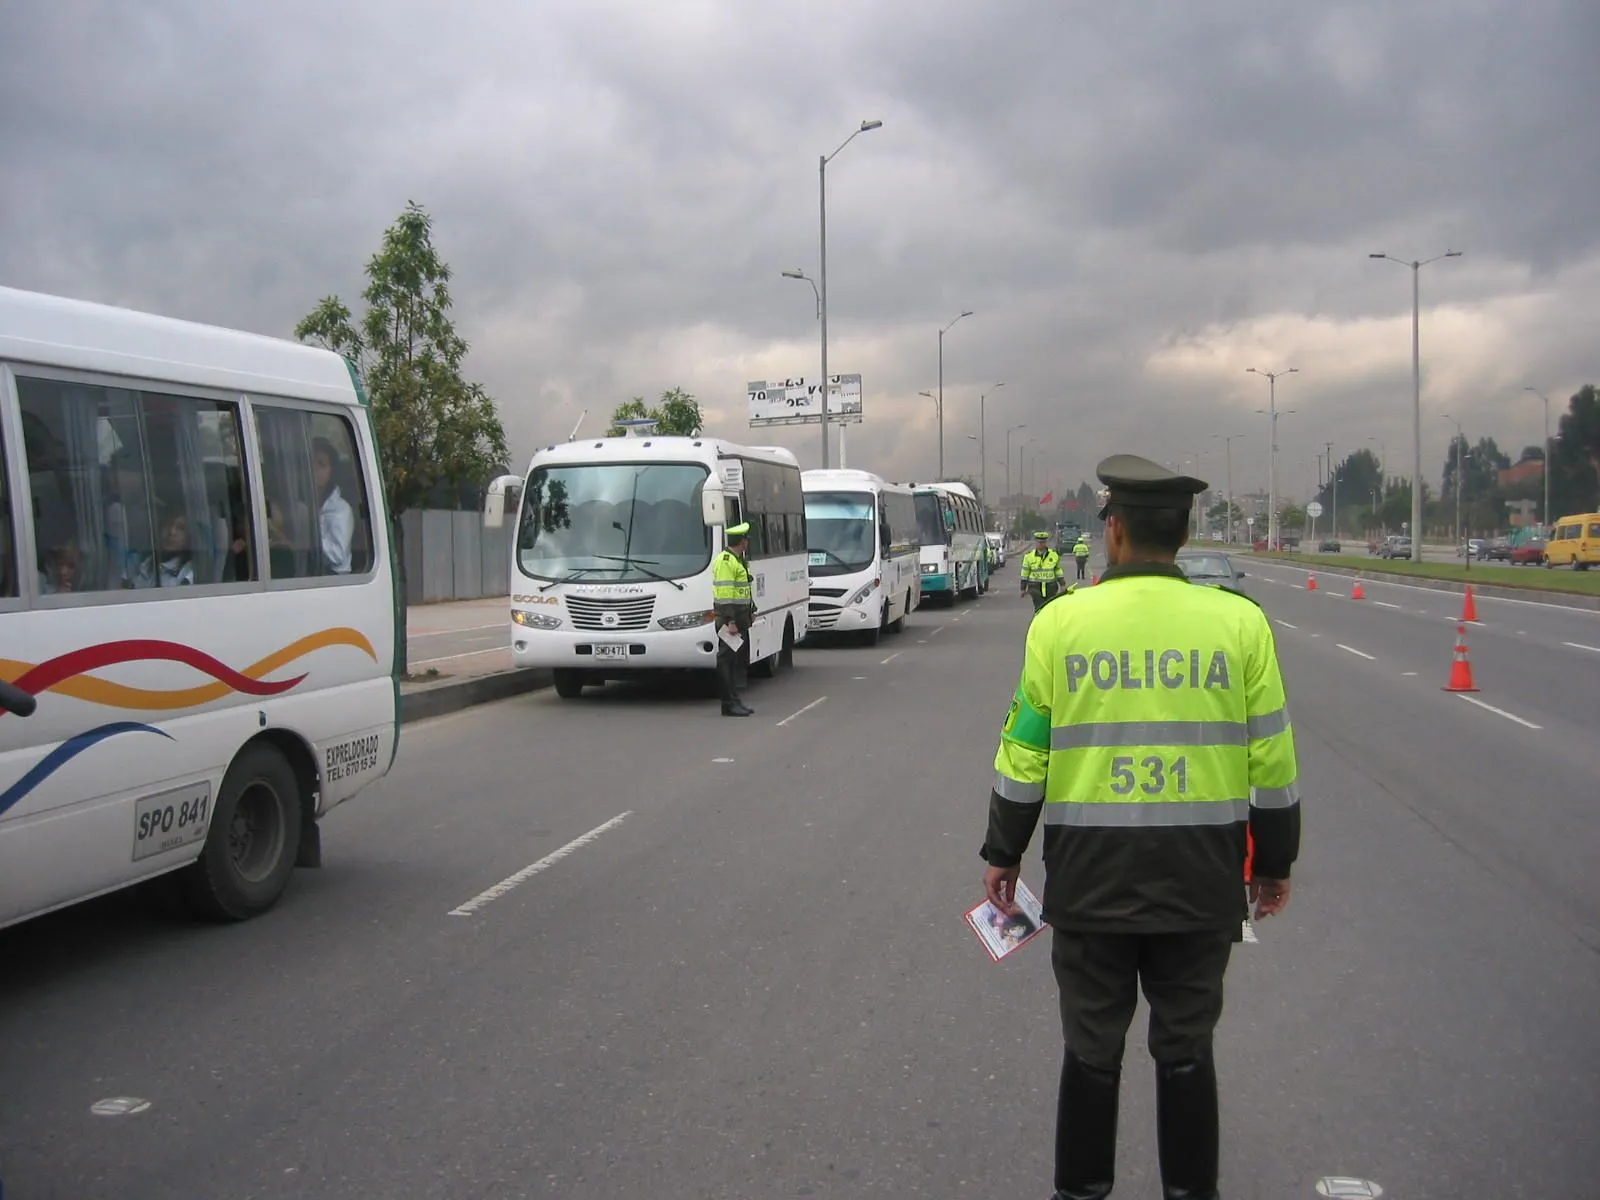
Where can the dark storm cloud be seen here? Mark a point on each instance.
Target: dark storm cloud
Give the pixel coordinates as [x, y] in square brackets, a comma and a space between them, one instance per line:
[1137, 200]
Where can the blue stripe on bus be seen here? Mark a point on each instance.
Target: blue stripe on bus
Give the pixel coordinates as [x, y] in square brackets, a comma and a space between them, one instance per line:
[65, 753]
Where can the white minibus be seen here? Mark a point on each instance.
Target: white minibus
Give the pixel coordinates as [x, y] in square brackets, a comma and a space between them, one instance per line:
[864, 553]
[611, 562]
[197, 606]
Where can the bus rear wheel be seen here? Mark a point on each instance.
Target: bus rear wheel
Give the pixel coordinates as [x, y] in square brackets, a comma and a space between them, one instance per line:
[250, 848]
[568, 683]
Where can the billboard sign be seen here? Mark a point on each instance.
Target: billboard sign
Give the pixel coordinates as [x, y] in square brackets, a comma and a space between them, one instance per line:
[797, 401]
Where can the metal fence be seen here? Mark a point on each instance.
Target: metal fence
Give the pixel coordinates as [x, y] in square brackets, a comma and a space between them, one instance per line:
[451, 556]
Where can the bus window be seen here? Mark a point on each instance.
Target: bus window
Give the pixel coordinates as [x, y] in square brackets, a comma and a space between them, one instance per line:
[318, 519]
[131, 489]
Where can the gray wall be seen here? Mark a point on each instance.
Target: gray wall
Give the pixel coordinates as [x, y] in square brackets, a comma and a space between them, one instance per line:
[451, 556]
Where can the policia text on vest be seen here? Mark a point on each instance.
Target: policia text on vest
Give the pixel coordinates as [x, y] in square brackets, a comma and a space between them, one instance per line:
[1150, 735]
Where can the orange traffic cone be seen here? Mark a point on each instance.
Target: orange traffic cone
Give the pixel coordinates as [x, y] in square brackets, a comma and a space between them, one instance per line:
[1357, 592]
[1460, 668]
[1311, 583]
[1469, 611]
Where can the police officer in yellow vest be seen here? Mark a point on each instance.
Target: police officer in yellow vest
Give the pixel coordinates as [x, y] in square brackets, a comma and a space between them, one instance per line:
[1149, 732]
[1080, 551]
[735, 605]
[1041, 574]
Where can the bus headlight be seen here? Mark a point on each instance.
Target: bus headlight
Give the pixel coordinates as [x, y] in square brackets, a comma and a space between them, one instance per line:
[930, 568]
[534, 620]
[691, 620]
[862, 593]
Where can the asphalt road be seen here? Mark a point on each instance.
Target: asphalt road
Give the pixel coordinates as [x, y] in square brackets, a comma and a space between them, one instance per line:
[757, 982]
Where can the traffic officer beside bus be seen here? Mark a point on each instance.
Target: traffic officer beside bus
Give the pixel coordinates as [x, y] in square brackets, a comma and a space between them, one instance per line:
[735, 606]
[1149, 732]
[1041, 574]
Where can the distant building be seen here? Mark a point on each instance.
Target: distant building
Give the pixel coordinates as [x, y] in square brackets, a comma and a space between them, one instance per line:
[1524, 472]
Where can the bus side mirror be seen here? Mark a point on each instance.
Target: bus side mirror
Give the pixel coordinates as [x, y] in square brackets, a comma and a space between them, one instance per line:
[503, 496]
[713, 503]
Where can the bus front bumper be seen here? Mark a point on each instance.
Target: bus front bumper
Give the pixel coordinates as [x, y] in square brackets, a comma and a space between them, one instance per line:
[640, 649]
[939, 582]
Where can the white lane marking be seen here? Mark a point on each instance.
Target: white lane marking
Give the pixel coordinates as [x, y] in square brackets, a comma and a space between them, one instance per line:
[1408, 674]
[885, 662]
[532, 869]
[1581, 646]
[858, 678]
[120, 1106]
[1385, 604]
[922, 641]
[1286, 624]
[806, 709]
[937, 629]
[1500, 712]
[1316, 635]
[422, 662]
[722, 760]
[463, 629]
[1357, 653]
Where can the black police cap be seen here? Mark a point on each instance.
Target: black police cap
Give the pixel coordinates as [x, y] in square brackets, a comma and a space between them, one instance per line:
[1139, 483]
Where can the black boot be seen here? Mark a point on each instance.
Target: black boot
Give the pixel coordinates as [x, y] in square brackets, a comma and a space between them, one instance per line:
[1186, 1128]
[1086, 1130]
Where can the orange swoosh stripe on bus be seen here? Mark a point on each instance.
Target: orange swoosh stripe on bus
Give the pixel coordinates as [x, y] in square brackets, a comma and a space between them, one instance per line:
[95, 690]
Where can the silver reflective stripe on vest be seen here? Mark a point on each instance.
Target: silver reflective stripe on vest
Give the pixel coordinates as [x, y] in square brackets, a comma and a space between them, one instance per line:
[1017, 791]
[1269, 724]
[1284, 797]
[1091, 734]
[1135, 814]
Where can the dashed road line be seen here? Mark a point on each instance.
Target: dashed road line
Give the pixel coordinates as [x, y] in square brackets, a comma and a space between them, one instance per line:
[1581, 646]
[802, 711]
[532, 869]
[1357, 653]
[1500, 712]
[1385, 604]
[1285, 624]
[885, 662]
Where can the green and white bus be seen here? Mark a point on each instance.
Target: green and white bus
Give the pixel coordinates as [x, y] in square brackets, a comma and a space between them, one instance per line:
[955, 553]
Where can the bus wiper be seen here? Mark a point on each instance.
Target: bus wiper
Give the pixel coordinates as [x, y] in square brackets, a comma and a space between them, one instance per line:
[637, 564]
[571, 575]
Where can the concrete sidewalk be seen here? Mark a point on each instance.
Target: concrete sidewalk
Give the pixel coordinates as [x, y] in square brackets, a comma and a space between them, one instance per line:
[459, 655]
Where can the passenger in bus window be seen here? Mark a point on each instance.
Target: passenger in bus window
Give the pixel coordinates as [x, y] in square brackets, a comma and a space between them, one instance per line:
[280, 547]
[60, 572]
[336, 520]
[172, 564]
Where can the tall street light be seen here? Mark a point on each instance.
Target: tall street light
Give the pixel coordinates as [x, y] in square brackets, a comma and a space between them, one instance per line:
[983, 455]
[1009, 432]
[938, 410]
[822, 296]
[1271, 411]
[1546, 399]
[1460, 437]
[1416, 266]
[1383, 462]
[1227, 450]
[797, 273]
[942, 332]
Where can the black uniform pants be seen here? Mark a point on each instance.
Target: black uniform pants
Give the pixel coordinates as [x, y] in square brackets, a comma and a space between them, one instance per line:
[731, 664]
[1099, 976]
[1083, 565]
[1040, 592]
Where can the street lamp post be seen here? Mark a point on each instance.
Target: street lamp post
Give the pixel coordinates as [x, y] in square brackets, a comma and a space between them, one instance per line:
[1545, 516]
[1383, 463]
[1272, 452]
[1009, 431]
[983, 455]
[1416, 266]
[942, 332]
[822, 294]
[1227, 450]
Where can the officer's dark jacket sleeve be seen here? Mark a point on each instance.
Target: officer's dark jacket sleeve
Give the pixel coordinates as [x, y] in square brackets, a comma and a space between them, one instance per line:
[1023, 760]
[1274, 772]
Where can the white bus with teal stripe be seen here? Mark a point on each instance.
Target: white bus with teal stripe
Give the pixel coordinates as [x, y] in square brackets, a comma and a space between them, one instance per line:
[955, 553]
[864, 558]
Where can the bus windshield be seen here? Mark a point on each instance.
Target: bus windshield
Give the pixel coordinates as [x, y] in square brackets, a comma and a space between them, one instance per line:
[841, 532]
[930, 521]
[613, 522]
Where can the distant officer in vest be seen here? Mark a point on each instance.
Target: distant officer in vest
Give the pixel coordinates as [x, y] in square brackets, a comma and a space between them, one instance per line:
[1149, 732]
[1080, 551]
[1041, 574]
[735, 606]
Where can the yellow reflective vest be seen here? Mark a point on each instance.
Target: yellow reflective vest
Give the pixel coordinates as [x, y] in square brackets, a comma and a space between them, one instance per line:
[730, 587]
[1041, 568]
[1149, 730]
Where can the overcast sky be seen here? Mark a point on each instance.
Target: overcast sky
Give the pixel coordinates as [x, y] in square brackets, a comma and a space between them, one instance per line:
[1137, 200]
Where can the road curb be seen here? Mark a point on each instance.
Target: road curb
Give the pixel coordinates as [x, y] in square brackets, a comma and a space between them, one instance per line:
[448, 696]
[1492, 591]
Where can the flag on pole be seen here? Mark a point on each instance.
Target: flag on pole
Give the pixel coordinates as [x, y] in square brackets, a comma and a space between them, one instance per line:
[1048, 496]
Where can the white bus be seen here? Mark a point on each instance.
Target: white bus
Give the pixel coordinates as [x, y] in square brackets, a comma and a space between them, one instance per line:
[864, 554]
[197, 606]
[955, 553]
[611, 562]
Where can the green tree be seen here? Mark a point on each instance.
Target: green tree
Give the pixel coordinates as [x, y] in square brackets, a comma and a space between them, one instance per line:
[433, 426]
[1575, 459]
[677, 415]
